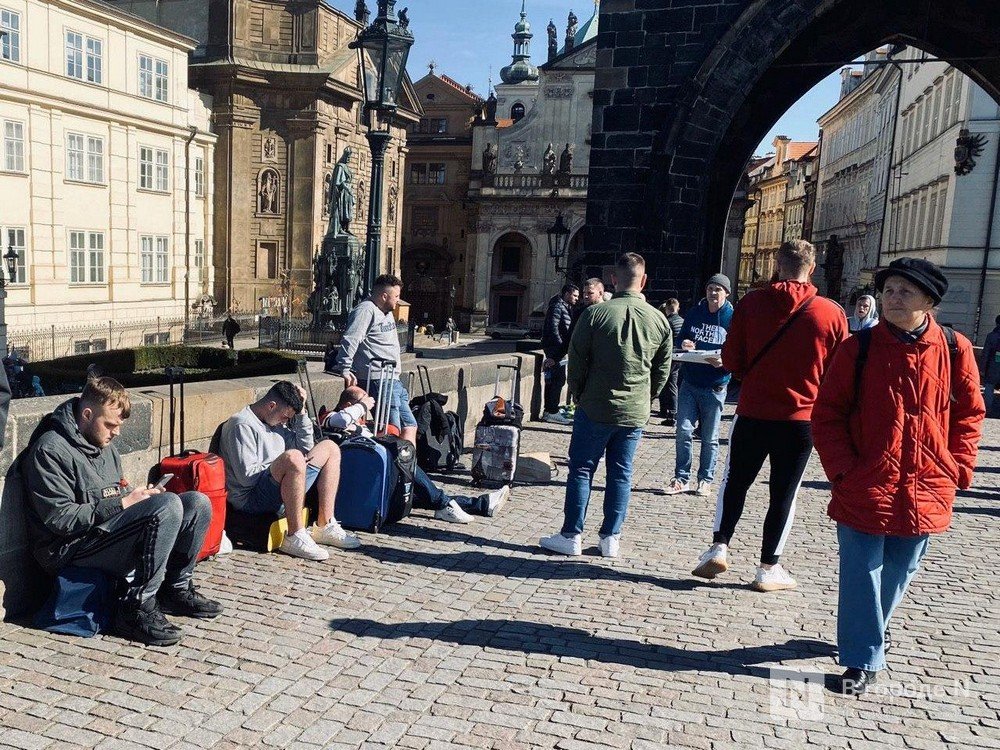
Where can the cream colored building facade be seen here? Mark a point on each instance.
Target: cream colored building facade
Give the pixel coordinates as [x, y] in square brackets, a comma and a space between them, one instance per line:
[106, 174]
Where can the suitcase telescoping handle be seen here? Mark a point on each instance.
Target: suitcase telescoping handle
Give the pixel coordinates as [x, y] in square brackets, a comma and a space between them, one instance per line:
[425, 376]
[175, 375]
[515, 376]
[305, 382]
[386, 370]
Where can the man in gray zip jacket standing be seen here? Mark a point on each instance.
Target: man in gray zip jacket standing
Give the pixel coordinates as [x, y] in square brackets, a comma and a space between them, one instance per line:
[82, 511]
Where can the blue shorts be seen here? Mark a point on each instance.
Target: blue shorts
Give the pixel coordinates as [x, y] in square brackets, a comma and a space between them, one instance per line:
[266, 494]
[400, 413]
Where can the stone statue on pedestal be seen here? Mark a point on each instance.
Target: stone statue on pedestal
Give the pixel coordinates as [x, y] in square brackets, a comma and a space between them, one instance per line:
[338, 268]
[549, 161]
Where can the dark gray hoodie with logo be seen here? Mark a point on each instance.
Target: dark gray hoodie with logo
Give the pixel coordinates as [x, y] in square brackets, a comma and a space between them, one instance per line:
[71, 486]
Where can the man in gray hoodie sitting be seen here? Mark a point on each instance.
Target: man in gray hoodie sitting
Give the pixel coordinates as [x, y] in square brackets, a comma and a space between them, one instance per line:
[272, 460]
[83, 511]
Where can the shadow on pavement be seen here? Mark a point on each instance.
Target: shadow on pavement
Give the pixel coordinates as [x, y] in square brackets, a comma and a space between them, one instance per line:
[560, 641]
[995, 512]
[541, 564]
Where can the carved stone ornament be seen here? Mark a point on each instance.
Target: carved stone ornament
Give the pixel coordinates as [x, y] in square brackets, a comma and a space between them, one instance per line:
[269, 149]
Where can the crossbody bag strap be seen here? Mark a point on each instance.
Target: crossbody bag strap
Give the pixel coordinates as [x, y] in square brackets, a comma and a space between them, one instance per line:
[777, 336]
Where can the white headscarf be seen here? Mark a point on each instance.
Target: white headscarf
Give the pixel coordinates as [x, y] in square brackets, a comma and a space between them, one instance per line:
[870, 320]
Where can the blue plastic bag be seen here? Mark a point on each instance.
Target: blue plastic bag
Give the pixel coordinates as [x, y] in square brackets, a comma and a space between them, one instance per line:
[80, 603]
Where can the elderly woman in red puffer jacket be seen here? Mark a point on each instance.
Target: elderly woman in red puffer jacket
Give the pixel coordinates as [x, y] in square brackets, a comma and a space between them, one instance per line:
[896, 425]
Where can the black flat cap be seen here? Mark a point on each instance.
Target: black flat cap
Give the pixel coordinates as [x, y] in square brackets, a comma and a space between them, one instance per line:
[921, 272]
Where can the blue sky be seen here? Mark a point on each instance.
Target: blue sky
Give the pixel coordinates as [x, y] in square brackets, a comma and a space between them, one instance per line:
[468, 38]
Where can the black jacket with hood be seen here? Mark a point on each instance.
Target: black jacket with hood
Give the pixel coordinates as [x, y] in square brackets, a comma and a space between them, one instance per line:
[71, 486]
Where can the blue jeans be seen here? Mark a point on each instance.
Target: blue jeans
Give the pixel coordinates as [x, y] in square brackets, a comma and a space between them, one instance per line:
[989, 395]
[874, 573]
[589, 442]
[427, 492]
[400, 414]
[702, 405]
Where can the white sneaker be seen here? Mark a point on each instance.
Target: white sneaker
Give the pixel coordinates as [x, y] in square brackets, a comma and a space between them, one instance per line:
[704, 488]
[677, 487]
[556, 418]
[774, 579]
[226, 546]
[563, 545]
[300, 544]
[333, 535]
[712, 562]
[452, 514]
[496, 499]
[609, 545]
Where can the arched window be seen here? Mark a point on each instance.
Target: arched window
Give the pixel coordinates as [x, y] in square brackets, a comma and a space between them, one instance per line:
[517, 112]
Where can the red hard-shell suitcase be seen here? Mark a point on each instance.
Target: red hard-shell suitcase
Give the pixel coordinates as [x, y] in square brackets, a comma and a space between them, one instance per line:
[194, 470]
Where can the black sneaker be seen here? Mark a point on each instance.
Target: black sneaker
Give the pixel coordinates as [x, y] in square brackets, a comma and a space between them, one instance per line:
[887, 642]
[188, 603]
[145, 623]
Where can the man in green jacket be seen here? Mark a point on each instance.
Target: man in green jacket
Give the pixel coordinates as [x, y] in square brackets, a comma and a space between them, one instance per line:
[619, 361]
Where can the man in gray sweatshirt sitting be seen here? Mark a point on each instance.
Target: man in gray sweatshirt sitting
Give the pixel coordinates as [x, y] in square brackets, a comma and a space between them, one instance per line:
[370, 335]
[272, 460]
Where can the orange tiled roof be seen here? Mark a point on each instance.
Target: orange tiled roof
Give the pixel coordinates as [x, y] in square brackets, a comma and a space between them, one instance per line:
[798, 149]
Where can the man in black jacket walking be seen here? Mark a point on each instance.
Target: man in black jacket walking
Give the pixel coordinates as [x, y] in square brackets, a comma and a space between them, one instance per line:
[555, 344]
[991, 367]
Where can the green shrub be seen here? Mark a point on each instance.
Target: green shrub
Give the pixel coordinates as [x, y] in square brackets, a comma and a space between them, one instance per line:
[144, 365]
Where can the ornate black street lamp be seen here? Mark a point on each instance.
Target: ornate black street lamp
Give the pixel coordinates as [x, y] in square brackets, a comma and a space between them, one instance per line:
[10, 259]
[558, 235]
[382, 52]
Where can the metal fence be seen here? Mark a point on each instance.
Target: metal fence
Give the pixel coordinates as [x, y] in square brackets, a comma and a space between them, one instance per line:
[56, 340]
[299, 335]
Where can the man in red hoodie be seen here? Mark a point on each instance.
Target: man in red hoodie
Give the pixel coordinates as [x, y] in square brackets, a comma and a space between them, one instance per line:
[780, 341]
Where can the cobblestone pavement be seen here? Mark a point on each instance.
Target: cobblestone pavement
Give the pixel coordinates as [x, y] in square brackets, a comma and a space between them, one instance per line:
[432, 636]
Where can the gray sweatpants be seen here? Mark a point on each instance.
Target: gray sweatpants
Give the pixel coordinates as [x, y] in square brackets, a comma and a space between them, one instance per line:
[156, 541]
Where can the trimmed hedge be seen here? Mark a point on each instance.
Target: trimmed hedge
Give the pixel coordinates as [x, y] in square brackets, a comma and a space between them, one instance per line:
[143, 366]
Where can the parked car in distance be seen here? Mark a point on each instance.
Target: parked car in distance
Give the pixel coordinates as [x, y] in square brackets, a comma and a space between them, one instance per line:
[506, 331]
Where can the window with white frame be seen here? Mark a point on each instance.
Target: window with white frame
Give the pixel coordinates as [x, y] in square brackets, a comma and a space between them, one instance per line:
[84, 57]
[154, 169]
[14, 238]
[84, 158]
[153, 78]
[199, 260]
[13, 146]
[162, 170]
[10, 38]
[199, 177]
[153, 257]
[86, 257]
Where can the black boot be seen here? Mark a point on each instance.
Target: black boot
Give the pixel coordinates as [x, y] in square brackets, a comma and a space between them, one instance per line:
[145, 623]
[855, 682]
[188, 603]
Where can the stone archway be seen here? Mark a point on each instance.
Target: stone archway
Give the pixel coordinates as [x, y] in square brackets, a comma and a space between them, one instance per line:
[674, 127]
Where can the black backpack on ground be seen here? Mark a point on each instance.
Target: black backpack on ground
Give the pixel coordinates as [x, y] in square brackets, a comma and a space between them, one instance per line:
[440, 437]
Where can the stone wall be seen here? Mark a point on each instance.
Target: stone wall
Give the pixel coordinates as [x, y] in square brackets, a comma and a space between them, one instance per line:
[144, 440]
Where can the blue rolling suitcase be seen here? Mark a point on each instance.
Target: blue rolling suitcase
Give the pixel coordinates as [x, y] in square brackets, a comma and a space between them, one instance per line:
[374, 490]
